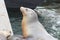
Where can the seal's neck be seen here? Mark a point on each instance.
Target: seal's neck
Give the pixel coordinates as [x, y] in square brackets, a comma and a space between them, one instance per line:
[32, 19]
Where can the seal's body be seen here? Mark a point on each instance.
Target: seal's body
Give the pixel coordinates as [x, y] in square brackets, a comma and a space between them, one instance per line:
[32, 27]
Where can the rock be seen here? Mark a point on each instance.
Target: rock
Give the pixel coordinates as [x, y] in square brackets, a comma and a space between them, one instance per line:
[15, 37]
[20, 37]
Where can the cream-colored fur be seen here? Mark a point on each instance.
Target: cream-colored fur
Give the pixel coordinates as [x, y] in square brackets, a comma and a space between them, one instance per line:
[32, 27]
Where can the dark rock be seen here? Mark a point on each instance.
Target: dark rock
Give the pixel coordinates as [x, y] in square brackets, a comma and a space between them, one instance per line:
[26, 3]
[13, 6]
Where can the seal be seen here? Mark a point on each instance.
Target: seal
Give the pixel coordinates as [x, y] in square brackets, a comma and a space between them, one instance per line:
[32, 27]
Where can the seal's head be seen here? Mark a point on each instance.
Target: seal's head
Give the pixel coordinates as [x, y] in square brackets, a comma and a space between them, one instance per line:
[29, 13]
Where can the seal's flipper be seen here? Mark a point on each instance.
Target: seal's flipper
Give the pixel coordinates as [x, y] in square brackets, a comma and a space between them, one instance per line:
[5, 26]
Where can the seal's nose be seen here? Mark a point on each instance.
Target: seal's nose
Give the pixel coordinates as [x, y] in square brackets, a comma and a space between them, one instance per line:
[22, 8]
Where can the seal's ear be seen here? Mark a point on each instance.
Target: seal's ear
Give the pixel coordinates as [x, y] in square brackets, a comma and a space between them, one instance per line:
[37, 12]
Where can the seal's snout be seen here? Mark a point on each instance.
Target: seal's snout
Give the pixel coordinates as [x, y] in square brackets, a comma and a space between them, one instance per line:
[21, 8]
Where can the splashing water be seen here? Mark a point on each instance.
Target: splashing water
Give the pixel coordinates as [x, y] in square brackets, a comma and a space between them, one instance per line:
[50, 20]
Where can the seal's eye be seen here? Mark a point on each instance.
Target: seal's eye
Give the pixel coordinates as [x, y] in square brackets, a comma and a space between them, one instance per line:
[26, 9]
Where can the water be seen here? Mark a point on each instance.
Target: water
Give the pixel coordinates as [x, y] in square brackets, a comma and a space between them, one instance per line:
[48, 17]
[16, 25]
